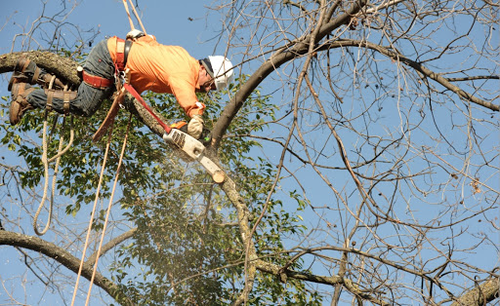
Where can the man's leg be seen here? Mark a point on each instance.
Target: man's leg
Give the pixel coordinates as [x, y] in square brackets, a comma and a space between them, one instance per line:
[85, 102]
[26, 71]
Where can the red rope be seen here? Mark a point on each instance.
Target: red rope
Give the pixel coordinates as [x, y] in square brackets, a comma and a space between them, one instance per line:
[136, 95]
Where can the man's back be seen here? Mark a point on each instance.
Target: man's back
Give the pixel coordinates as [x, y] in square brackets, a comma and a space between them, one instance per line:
[162, 69]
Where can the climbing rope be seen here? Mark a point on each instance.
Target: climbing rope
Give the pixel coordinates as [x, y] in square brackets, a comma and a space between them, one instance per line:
[89, 229]
[136, 16]
[128, 14]
[46, 161]
[98, 254]
[70, 142]
[46, 185]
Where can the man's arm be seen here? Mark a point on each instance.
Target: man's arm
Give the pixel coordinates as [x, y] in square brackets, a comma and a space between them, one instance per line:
[185, 94]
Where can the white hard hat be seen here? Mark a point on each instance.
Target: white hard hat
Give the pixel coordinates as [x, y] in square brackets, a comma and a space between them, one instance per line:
[219, 68]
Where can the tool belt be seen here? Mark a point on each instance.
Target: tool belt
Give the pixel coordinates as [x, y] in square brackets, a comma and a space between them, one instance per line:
[122, 50]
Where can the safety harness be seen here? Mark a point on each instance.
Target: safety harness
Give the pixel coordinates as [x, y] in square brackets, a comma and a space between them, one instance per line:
[122, 50]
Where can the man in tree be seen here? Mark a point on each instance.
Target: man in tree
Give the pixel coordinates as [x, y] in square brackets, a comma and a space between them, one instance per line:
[152, 66]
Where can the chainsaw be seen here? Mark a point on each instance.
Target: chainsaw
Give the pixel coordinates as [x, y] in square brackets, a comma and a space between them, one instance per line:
[193, 148]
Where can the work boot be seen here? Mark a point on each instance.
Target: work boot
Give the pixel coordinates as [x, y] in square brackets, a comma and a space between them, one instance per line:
[26, 71]
[19, 104]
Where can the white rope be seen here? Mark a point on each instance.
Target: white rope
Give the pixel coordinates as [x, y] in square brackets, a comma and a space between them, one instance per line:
[98, 254]
[100, 182]
[46, 162]
[89, 229]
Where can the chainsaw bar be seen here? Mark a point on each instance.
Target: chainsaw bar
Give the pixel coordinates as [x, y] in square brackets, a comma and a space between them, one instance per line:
[195, 150]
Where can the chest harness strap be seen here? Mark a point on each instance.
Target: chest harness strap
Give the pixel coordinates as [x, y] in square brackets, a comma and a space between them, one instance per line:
[122, 50]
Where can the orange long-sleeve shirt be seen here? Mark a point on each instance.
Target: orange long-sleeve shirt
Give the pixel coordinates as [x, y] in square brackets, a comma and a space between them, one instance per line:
[163, 69]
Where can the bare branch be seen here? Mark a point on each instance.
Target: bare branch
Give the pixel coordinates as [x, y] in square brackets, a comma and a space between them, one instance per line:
[64, 258]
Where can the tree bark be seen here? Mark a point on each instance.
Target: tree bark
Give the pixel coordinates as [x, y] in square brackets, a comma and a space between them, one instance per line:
[481, 294]
[64, 68]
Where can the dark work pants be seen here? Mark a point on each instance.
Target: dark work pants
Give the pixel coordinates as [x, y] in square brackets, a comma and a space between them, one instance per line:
[89, 99]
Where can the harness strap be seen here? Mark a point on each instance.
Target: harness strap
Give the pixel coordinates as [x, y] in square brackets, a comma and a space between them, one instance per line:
[96, 81]
[67, 97]
[120, 54]
[110, 117]
[22, 64]
[122, 50]
[119, 97]
[136, 95]
[36, 75]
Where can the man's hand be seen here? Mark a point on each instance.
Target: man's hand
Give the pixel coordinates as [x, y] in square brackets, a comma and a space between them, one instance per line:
[195, 126]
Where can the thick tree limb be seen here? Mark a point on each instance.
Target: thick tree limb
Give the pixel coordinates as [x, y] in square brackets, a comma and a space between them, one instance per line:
[64, 258]
[229, 187]
[63, 67]
[480, 295]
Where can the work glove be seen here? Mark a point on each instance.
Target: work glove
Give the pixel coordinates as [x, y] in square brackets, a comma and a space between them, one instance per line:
[134, 34]
[195, 126]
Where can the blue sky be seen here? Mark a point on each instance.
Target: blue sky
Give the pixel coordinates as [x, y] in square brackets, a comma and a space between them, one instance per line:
[175, 22]
[172, 22]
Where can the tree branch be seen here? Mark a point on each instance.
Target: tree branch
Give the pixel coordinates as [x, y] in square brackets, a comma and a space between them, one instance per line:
[63, 67]
[328, 280]
[415, 65]
[283, 55]
[480, 295]
[64, 258]
[111, 244]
